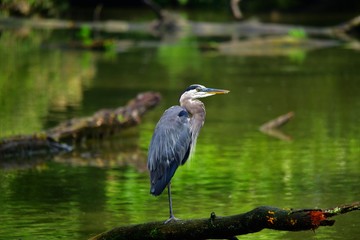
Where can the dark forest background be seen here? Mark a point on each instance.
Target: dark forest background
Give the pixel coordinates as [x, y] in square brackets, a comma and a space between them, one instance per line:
[60, 8]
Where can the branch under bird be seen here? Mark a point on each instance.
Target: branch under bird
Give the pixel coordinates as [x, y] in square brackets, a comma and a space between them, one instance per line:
[174, 138]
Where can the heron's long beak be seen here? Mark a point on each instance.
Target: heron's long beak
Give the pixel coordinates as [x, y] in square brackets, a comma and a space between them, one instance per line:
[215, 91]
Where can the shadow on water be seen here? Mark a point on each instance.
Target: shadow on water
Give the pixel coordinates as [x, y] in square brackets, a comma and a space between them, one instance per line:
[236, 168]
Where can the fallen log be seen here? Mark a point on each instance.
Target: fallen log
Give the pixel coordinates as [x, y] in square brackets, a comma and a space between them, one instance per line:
[106, 121]
[229, 227]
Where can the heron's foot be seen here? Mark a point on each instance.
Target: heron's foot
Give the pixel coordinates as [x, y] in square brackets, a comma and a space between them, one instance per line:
[171, 219]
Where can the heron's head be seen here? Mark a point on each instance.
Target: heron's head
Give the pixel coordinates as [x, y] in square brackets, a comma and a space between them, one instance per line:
[199, 91]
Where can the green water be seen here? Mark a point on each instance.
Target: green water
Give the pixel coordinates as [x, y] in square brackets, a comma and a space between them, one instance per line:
[236, 168]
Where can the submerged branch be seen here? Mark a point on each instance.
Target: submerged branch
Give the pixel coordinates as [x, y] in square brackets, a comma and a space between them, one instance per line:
[228, 227]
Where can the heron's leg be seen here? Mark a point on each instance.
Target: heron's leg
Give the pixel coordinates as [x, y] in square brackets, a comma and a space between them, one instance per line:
[170, 201]
[172, 217]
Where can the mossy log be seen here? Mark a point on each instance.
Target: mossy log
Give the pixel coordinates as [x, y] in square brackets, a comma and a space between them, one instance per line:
[229, 227]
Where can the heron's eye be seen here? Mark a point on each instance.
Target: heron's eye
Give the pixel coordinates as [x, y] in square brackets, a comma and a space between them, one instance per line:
[198, 89]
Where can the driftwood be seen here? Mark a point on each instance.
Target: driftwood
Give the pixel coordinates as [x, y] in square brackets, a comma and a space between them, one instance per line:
[102, 123]
[229, 227]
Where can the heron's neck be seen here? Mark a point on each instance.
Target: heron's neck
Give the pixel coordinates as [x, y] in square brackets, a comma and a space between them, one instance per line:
[197, 110]
[195, 107]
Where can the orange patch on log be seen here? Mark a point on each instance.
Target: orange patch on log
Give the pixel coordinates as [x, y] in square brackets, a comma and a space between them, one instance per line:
[316, 218]
[271, 219]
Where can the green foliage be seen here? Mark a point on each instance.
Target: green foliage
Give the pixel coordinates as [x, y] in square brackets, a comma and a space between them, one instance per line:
[183, 2]
[110, 49]
[297, 56]
[297, 33]
[85, 35]
[175, 57]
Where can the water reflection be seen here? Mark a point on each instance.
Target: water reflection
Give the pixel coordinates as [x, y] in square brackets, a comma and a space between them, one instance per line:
[236, 167]
[35, 81]
[116, 152]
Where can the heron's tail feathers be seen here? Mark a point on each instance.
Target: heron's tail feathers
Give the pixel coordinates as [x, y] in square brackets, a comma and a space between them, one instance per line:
[161, 178]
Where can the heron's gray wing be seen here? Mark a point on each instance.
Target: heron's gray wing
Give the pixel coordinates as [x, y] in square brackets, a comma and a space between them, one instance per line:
[169, 147]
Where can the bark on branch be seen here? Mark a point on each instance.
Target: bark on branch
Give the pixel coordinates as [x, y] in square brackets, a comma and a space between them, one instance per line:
[228, 227]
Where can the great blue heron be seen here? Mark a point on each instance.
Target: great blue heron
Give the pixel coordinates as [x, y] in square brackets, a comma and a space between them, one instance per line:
[174, 138]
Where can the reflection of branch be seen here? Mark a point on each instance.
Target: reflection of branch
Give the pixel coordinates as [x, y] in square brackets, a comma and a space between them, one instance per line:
[230, 226]
[16, 151]
[276, 133]
[278, 122]
[271, 127]
[235, 9]
[105, 158]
